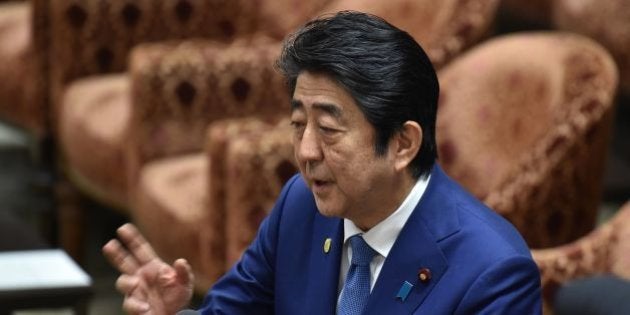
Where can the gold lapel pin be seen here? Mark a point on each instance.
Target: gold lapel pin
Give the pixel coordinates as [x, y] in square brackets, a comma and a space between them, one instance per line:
[424, 274]
[327, 244]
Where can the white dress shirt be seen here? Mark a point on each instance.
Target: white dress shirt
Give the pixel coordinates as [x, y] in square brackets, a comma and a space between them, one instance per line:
[382, 236]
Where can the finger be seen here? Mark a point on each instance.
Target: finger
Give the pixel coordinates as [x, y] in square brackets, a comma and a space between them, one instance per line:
[126, 284]
[183, 271]
[133, 305]
[119, 257]
[136, 243]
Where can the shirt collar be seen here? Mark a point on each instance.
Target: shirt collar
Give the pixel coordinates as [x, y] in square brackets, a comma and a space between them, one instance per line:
[383, 235]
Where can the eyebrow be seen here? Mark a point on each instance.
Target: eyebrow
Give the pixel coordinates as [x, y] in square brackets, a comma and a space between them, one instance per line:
[295, 104]
[331, 109]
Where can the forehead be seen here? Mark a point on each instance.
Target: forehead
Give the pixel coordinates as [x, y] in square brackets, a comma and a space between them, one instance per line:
[316, 91]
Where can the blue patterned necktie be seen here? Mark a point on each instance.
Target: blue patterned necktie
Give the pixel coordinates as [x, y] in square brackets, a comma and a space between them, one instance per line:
[356, 290]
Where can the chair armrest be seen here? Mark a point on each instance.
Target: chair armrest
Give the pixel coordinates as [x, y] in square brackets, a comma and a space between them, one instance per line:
[257, 165]
[604, 250]
[219, 137]
[527, 135]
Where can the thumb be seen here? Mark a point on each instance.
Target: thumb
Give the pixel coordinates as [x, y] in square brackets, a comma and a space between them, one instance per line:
[183, 271]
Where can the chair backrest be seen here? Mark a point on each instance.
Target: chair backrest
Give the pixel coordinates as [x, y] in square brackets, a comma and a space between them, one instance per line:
[178, 89]
[523, 123]
[607, 22]
[87, 37]
[443, 28]
[17, 70]
[531, 13]
[281, 17]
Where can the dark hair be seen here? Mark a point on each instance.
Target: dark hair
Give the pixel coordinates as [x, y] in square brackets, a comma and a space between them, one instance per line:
[387, 73]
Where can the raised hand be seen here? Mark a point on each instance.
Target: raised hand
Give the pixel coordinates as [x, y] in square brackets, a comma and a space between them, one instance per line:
[150, 286]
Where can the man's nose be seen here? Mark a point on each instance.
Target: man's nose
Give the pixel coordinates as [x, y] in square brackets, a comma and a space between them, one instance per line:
[309, 148]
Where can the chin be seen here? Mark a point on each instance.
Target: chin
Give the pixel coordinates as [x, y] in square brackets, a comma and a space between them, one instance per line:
[327, 214]
[327, 210]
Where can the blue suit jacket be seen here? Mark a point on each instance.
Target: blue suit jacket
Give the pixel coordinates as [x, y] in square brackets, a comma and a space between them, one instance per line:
[478, 263]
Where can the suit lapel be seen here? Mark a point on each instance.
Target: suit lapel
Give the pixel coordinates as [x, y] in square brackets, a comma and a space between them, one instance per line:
[416, 249]
[323, 269]
[408, 256]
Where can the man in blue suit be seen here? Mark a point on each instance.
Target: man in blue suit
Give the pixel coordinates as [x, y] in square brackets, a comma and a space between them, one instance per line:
[371, 225]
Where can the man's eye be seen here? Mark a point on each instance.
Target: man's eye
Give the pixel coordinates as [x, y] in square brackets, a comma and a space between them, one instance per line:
[327, 130]
[298, 128]
[297, 125]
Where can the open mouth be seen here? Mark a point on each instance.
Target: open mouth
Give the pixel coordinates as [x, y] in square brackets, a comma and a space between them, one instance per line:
[320, 185]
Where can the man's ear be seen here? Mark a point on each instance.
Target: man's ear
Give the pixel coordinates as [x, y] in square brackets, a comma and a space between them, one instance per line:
[407, 144]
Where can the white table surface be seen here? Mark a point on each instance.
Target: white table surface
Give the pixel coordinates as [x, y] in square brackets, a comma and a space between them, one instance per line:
[40, 269]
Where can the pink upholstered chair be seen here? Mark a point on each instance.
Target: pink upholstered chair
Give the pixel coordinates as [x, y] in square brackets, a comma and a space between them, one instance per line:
[605, 250]
[529, 13]
[213, 239]
[121, 118]
[523, 123]
[94, 114]
[247, 161]
[91, 38]
[607, 22]
[22, 74]
[15, 47]
[264, 160]
[90, 111]
[444, 28]
[176, 95]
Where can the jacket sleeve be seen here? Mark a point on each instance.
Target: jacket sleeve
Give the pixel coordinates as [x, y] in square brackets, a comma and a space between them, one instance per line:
[509, 286]
[248, 288]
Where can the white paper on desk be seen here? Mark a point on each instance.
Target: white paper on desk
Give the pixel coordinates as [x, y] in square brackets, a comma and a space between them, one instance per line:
[40, 269]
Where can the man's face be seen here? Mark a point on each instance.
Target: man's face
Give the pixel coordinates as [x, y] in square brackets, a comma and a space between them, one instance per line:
[334, 147]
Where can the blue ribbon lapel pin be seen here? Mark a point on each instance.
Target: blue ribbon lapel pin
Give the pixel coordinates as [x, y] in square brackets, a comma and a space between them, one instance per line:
[404, 291]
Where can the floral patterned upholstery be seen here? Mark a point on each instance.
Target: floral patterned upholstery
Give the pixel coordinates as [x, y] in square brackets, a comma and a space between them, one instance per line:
[523, 123]
[213, 235]
[170, 207]
[607, 22]
[604, 250]
[531, 12]
[91, 37]
[276, 22]
[18, 68]
[97, 37]
[178, 90]
[264, 160]
[444, 28]
[96, 123]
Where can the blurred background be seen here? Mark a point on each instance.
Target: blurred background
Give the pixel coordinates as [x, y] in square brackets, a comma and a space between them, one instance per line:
[170, 114]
